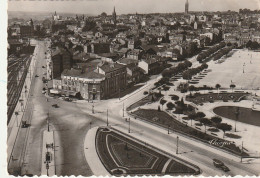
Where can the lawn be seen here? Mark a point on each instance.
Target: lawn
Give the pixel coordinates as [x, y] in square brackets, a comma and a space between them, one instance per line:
[154, 97]
[163, 119]
[198, 98]
[124, 156]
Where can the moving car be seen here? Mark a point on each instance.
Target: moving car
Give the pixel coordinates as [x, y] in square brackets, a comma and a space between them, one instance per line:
[219, 164]
[55, 106]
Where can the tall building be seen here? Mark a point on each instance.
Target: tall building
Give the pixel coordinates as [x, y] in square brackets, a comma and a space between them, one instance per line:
[186, 7]
[114, 16]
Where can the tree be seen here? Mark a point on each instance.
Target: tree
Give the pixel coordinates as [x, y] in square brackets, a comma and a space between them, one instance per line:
[192, 117]
[104, 14]
[218, 87]
[187, 63]
[192, 88]
[170, 105]
[206, 122]
[200, 114]
[224, 127]
[162, 102]
[232, 86]
[216, 119]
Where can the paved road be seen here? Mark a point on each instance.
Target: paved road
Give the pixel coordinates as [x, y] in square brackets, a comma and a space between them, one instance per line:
[70, 130]
[191, 150]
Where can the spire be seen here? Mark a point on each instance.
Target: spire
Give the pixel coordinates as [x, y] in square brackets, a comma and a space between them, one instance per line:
[55, 13]
[187, 7]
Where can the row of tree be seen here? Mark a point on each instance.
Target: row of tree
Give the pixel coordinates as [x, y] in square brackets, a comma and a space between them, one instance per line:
[176, 70]
[214, 121]
[187, 75]
[203, 55]
[222, 52]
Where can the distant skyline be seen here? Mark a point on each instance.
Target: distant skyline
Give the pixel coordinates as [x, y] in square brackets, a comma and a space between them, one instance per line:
[95, 7]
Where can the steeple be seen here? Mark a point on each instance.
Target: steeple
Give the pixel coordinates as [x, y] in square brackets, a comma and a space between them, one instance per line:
[186, 7]
[55, 13]
[114, 15]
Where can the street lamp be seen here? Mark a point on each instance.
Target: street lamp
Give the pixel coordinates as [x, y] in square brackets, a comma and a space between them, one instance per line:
[119, 94]
[177, 145]
[237, 114]
[129, 126]
[93, 108]
[48, 122]
[123, 111]
[107, 117]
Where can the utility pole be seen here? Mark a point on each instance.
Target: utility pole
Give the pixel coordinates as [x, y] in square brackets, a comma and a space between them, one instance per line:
[107, 117]
[177, 144]
[129, 126]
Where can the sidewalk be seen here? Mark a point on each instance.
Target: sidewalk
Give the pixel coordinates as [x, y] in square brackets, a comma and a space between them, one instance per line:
[48, 154]
[91, 154]
[12, 126]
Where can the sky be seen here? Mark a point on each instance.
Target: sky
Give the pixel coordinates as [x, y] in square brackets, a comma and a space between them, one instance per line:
[96, 7]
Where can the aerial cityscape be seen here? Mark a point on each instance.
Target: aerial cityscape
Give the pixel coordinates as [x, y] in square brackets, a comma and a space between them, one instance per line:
[133, 93]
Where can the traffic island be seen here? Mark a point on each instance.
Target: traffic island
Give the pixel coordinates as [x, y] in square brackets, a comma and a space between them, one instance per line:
[124, 155]
[48, 154]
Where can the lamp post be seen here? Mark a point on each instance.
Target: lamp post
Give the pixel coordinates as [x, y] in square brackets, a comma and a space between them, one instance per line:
[123, 111]
[119, 94]
[129, 126]
[177, 145]
[48, 122]
[92, 108]
[107, 117]
[237, 114]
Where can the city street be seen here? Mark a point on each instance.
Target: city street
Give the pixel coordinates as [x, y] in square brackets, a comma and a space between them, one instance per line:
[69, 123]
[191, 150]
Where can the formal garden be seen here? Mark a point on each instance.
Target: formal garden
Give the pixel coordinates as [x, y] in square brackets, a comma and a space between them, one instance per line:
[122, 155]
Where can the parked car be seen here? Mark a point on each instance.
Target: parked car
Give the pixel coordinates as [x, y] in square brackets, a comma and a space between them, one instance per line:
[43, 67]
[36, 75]
[67, 99]
[219, 164]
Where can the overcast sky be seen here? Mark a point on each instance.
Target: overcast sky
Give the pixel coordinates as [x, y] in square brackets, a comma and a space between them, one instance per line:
[96, 7]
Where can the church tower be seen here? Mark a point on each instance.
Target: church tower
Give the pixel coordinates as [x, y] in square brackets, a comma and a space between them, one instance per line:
[114, 16]
[186, 7]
